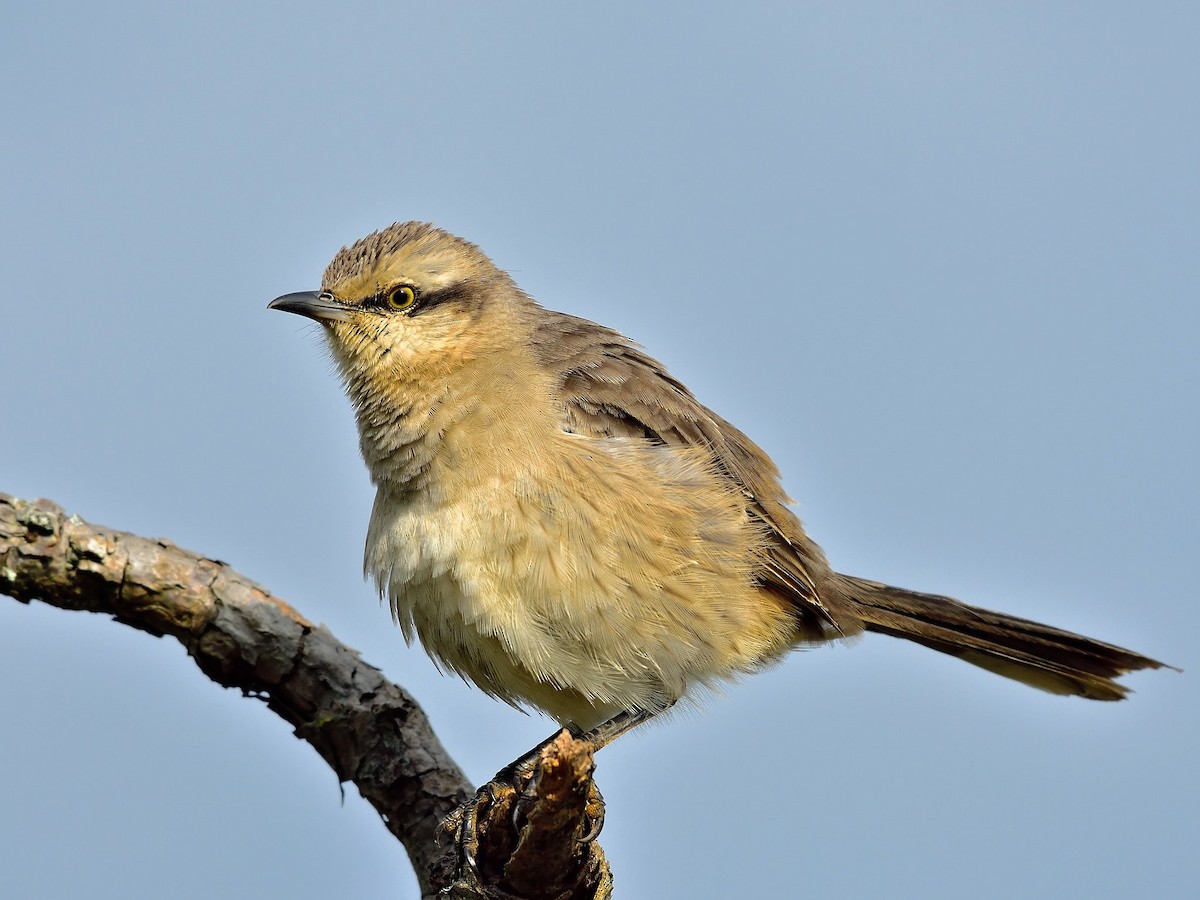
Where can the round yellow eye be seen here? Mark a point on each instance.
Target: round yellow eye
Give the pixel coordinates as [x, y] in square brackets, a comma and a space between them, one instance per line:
[401, 298]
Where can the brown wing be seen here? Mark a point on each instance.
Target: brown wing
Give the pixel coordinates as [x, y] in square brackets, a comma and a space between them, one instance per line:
[610, 388]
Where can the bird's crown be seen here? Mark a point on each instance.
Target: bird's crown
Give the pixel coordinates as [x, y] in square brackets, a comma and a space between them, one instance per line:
[418, 253]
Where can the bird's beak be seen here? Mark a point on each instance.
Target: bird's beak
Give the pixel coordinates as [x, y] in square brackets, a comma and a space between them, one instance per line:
[323, 307]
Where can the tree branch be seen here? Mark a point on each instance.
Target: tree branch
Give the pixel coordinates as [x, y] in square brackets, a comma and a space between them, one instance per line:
[371, 732]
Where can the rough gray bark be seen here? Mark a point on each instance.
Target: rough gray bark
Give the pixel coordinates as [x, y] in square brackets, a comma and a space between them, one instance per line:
[369, 731]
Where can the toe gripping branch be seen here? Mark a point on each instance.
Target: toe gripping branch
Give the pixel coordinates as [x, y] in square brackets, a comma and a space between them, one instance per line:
[529, 833]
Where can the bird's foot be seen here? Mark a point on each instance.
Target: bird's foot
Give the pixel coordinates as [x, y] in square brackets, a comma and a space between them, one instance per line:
[497, 801]
[527, 810]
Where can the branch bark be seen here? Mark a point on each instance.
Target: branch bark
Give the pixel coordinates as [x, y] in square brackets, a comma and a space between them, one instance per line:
[371, 732]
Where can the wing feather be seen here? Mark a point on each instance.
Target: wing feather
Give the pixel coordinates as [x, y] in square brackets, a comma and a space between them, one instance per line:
[610, 388]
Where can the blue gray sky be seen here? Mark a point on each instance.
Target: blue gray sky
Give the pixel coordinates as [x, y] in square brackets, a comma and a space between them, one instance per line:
[939, 259]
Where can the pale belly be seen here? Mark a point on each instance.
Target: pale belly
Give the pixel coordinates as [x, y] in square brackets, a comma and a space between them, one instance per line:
[557, 592]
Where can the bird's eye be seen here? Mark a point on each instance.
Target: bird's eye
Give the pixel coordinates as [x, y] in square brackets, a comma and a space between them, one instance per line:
[401, 298]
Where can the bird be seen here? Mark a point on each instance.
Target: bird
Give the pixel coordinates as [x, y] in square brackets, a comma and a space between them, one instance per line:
[560, 521]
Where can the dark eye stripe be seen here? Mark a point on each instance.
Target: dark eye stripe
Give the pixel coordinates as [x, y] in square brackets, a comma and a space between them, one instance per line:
[421, 302]
[445, 295]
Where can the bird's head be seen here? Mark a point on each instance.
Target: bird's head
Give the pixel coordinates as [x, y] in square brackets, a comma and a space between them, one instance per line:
[410, 301]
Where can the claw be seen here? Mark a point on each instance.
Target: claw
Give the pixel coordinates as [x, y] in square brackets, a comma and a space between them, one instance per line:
[594, 830]
[464, 823]
[594, 813]
[525, 798]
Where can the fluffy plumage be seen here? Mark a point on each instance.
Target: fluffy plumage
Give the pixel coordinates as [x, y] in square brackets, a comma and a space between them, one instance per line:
[561, 522]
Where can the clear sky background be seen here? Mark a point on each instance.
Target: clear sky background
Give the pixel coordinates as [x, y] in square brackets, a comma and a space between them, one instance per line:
[941, 260]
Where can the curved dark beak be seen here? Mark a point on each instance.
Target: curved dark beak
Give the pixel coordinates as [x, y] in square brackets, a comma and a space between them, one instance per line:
[323, 307]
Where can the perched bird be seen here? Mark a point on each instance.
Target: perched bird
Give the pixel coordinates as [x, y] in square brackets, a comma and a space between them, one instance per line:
[563, 523]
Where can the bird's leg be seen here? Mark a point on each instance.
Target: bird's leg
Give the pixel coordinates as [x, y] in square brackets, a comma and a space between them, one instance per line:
[600, 736]
[517, 784]
[607, 732]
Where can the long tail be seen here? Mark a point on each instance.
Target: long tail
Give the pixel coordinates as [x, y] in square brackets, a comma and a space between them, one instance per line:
[1038, 655]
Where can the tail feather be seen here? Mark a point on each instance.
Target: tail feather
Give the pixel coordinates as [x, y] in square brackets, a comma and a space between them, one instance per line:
[1038, 655]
